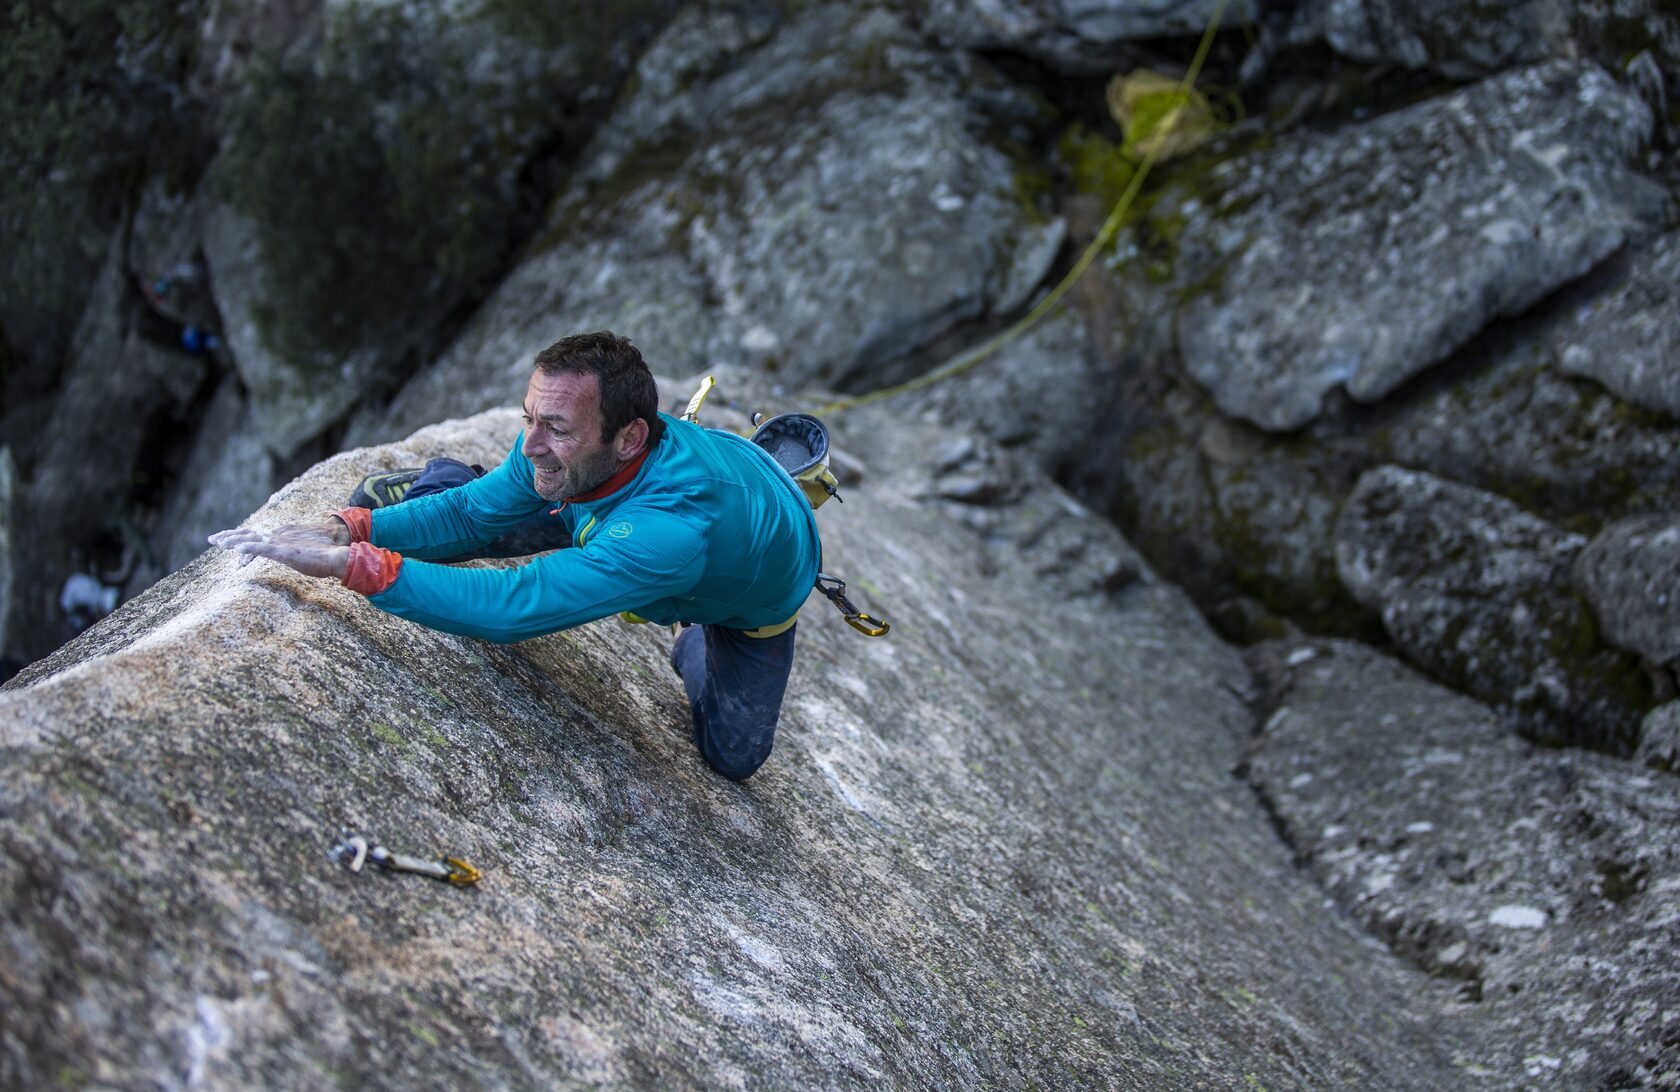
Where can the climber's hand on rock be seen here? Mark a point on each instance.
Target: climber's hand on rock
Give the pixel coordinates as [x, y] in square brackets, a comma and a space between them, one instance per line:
[308, 553]
[331, 531]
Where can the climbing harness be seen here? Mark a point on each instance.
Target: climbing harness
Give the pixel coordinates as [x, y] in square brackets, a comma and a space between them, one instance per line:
[353, 851]
[1044, 306]
[799, 444]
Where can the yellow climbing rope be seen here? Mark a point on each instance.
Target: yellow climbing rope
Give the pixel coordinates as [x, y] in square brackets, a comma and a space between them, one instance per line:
[1111, 225]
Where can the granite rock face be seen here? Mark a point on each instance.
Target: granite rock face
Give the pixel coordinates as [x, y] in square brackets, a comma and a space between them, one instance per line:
[1480, 593]
[1425, 224]
[1627, 338]
[1630, 573]
[806, 197]
[1541, 883]
[1000, 846]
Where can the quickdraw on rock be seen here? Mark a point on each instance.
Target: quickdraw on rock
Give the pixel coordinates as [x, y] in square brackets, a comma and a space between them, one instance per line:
[353, 851]
[835, 589]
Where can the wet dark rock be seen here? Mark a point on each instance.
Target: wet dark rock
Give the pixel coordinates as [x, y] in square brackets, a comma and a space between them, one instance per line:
[999, 846]
[1627, 338]
[1630, 573]
[1481, 594]
[1357, 258]
[1539, 884]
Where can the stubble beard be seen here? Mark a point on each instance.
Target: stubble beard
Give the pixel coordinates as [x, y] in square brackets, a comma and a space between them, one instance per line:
[577, 478]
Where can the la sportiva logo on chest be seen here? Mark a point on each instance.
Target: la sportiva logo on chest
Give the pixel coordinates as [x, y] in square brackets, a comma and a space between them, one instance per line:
[621, 529]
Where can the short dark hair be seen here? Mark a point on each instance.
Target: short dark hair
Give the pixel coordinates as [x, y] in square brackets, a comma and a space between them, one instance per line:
[627, 387]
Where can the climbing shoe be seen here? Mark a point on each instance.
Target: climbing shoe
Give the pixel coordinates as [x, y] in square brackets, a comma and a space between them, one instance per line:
[384, 489]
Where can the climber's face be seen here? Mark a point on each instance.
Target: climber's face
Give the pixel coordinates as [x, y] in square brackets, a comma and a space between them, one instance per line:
[563, 435]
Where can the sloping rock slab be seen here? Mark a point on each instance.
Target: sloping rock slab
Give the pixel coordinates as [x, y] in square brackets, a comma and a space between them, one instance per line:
[1360, 257]
[1629, 339]
[999, 847]
[808, 199]
[1480, 593]
[1544, 882]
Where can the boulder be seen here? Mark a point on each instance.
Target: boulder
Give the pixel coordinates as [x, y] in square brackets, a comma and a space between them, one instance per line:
[1539, 883]
[805, 198]
[1359, 257]
[1630, 573]
[1480, 593]
[1512, 423]
[1081, 37]
[1463, 41]
[1000, 846]
[1627, 338]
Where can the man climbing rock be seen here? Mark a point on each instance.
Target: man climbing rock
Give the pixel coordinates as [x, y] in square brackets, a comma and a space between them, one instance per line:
[666, 520]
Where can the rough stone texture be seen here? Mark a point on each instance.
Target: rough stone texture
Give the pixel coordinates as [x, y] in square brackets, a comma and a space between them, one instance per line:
[806, 198]
[1359, 257]
[1630, 573]
[1448, 36]
[1628, 338]
[1659, 738]
[1085, 37]
[1479, 593]
[1001, 846]
[1543, 883]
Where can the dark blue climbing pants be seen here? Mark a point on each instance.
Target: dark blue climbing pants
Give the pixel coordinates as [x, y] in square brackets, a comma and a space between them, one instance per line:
[735, 685]
[734, 682]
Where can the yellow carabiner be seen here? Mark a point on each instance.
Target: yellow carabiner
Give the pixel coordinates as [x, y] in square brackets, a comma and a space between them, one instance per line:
[857, 621]
[461, 873]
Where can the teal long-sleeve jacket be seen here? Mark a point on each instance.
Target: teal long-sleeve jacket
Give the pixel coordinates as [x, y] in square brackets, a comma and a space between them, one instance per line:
[710, 530]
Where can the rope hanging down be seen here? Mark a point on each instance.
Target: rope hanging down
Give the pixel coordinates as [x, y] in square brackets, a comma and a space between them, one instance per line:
[1043, 307]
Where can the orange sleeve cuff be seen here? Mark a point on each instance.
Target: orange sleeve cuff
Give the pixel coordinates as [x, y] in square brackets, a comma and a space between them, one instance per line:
[371, 570]
[360, 522]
